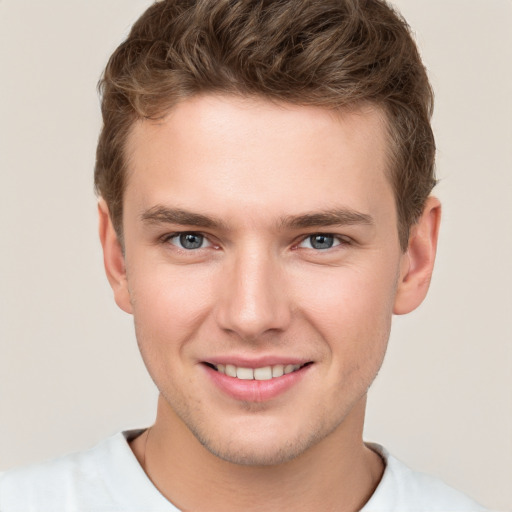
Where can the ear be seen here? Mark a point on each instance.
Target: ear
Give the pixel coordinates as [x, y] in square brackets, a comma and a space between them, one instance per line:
[418, 261]
[113, 258]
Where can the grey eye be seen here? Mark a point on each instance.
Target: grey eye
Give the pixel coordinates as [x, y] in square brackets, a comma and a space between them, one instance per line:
[321, 241]
[190, 240]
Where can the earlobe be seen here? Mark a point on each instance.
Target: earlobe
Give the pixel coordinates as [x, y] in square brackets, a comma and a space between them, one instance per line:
[418, 261]
[113, 258]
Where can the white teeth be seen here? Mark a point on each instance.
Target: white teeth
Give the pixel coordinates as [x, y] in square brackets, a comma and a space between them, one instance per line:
[277, 370]
[263, 373]
[289, 368]
[245, 373]
[231, 370]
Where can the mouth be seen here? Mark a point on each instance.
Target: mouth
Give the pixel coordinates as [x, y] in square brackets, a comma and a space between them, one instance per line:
[261, 373]
[254, 383]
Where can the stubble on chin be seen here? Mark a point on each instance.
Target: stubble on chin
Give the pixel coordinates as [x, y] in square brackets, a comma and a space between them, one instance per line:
[245, 448]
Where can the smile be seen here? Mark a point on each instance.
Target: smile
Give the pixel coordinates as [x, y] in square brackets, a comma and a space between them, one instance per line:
[254, 383]
[263, 373]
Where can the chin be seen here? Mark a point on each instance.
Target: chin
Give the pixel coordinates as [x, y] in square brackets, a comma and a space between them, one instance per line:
[263, 454]
[265, 446]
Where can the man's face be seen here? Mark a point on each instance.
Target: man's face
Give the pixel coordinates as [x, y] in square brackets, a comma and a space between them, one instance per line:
[261, 239]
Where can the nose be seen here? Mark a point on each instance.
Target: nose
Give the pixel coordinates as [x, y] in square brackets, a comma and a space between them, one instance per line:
[254, 299]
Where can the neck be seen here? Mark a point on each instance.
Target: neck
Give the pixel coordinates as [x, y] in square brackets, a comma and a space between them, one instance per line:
[338, 473]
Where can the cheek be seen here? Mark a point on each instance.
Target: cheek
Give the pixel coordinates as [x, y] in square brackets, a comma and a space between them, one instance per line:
[168, 302]
[351, 307]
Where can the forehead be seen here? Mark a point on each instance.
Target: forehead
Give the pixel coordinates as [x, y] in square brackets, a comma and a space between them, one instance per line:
[219, 152]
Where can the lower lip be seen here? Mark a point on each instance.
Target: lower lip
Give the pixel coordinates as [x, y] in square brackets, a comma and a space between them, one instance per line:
[255, 390]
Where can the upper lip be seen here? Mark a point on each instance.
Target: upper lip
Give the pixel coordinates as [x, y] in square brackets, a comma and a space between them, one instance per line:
[256, 362]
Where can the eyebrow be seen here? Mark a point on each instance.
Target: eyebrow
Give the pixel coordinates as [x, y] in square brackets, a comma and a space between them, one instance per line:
[164, 215]
[334, 217]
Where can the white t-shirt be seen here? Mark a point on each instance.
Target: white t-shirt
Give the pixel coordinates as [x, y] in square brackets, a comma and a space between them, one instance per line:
[108, 478]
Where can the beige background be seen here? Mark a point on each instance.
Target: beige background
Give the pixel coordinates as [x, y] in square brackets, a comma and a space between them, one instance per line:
[70, 373]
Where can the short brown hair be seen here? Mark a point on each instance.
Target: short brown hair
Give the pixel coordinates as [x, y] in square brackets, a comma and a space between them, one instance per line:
[328, 53]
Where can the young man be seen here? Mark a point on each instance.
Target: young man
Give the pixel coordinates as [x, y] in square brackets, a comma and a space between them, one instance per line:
[264, 174]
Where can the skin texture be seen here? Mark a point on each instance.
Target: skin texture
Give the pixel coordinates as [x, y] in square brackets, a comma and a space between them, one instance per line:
[257, 290]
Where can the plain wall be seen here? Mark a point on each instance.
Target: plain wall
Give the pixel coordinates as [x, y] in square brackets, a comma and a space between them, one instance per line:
[70, 372]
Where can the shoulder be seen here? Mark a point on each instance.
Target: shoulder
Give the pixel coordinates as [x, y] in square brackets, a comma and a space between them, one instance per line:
[106, 477]
[404, 490]
[53, 482]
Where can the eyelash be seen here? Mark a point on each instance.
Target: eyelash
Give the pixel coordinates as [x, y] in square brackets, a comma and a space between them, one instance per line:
[337, 241]
[341, 241]
[166, 239]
